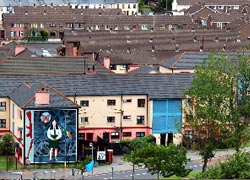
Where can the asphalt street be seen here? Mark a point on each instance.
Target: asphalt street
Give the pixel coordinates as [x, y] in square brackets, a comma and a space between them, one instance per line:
[119, 169]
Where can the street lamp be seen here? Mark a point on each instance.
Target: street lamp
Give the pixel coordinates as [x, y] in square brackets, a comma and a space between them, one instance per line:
[65, 161]
[92, 153]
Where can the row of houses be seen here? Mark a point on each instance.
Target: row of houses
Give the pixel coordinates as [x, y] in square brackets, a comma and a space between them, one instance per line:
[25, 21]
[92, 107]
[115, 76]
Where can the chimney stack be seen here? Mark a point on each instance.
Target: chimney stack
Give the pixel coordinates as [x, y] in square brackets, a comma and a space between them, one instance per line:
[42, 97]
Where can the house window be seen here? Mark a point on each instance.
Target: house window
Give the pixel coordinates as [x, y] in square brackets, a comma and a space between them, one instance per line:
[107, 27]
[89, 137]
[144, 27]
[134, 6]
[123, 6]
[2, 123]
[127, 100]
[90, 28]
[126, 27]
[112, 67]
[13, 127]
[236, 7]
[81, 136]
[70, 25]
[140, 134]
[41, 26]
[20, 33]
[19, 114]
[33, 25]
[218, 25]
[52, 25]
[140, 119]
[2, 106]
[20, 130]
[84, 103]
[13, 111]
[126, 117]
[13, 33]
[13, 25]
[128, 6]
[84, 119]
[114, 135]
[116, 27]
[111, 102]
[110, 119]
[123, 67]
[141, 102]
[97, 27]
[127, 134]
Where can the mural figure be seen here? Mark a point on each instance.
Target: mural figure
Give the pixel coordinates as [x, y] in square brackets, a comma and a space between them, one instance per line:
[54, 134]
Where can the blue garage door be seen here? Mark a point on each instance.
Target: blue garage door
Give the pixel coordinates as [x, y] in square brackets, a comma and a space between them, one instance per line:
[167, 116]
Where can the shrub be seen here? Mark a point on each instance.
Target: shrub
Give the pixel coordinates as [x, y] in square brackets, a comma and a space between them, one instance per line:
[236, 167]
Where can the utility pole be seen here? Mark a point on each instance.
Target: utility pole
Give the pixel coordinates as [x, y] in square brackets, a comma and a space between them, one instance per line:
[166, 6]
[121, 111]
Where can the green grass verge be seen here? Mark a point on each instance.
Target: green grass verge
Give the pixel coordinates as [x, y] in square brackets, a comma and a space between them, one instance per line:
[12, 165]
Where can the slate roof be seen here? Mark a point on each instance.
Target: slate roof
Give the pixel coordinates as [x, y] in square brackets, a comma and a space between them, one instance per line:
[50, 66]
[24, 96]
[213, 2]
[156, 86]
[60, 2]
[229, 17]
[162, 40]
[130, 55]
[188, 60]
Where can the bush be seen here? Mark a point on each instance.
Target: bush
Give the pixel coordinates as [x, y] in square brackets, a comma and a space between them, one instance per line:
[82, 164]
[237, 167]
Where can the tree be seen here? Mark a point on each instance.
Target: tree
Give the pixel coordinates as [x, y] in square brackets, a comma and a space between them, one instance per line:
[158, 159]
[130, 149]
[236, 167]
[166, 161]
[240, 104]
[210, 91]
[163, 6]
[219, 114]
[7, 147]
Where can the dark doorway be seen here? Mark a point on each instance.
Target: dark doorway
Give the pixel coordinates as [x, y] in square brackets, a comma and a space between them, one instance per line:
[106, 137]
[163, 139]
[170, 138]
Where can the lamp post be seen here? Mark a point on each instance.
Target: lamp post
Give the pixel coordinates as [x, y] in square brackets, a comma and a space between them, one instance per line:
[112, 177]
[65, 131]
[92, 153]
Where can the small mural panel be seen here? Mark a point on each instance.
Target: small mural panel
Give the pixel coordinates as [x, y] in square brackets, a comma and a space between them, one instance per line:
[51, 136]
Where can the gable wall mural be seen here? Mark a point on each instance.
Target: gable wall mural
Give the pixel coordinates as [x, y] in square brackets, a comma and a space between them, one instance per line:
[51, 136]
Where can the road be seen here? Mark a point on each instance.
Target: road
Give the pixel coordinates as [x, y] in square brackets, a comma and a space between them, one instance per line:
[196, 166]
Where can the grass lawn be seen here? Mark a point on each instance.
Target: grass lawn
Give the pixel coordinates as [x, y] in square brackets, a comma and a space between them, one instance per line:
[3, 163]
[12, 165]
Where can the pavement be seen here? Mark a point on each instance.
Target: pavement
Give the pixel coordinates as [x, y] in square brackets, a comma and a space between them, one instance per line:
[118, 165]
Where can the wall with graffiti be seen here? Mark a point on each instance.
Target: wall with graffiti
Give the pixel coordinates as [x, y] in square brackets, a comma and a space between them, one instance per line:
[51, 136]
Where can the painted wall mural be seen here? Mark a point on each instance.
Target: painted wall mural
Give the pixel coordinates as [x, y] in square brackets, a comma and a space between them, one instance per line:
[51, 136]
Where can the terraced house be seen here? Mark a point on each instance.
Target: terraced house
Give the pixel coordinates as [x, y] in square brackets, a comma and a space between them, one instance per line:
[90, 108]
